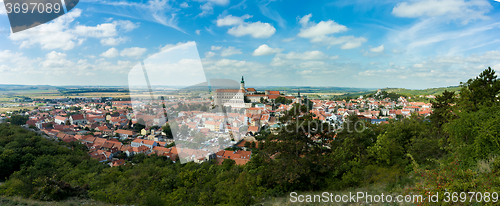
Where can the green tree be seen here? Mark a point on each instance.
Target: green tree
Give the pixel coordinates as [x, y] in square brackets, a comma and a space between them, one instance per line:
[168, 131]
[442, 108]
[18, 119]
[482, 90]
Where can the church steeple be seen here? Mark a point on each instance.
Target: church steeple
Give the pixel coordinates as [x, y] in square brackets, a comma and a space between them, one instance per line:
[299, 98]
[242, 83]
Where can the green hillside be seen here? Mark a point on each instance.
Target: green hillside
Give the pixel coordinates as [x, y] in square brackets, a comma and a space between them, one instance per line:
[430, 91]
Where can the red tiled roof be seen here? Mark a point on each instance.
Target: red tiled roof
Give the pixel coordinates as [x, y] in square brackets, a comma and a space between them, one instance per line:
[144, 141]
[78, 117]
[60, 118]
[127, 132]
[253, 129]
[117, 163]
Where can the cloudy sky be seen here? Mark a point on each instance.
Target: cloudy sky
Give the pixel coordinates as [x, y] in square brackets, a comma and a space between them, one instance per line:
[346, 43]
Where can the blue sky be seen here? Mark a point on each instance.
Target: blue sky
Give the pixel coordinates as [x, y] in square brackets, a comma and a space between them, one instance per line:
[351, 43]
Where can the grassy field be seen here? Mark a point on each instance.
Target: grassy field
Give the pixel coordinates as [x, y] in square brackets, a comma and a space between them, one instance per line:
[32, 91]
[100, 94]
[12, 201]
[431, 91]
[7, 109]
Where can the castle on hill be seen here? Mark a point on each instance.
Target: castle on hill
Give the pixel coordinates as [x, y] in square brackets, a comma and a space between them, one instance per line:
[235, 98]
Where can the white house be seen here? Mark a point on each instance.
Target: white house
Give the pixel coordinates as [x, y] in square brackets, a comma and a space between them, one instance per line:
[60, 120]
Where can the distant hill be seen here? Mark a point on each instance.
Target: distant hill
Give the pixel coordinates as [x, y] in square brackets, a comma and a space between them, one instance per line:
[430, 91]
[305, 89]
[13, 87]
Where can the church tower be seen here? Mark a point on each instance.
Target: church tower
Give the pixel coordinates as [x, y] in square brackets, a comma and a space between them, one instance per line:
[242, 84]
[299, 98]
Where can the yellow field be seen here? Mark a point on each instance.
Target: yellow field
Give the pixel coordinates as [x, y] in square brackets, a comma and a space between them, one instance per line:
[100, 94]
[7, 109]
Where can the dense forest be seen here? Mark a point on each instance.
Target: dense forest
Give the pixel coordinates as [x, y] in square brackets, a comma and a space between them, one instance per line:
[455, 150]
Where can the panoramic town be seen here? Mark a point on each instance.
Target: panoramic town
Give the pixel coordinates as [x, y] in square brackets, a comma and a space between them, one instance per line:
[110, 128]
[236, 102]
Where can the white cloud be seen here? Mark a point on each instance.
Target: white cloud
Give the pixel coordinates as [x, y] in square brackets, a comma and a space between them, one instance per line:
[321, 29]
[184, 5]
[113, 41]
[398, 50]
[308, 55]
[215, 48]
[305, 20]
[216, 2]
[264, 49]
[127, 25]
[133, 52]
[7, 55]
[435, 35]
[418, 65]
[294, 59]
[225, 68]
[56, 60]
[288, 39]
[58, 34]
[378, 49]
[197, 32]
[53, 35]
[99, 31]
[278, 62]
[319, 33]
[312, 64]
[242, 28]
[231, 20]
[168, 46]
[2, 8]
[434, 71]
[348, 42]
[256, 30]
[209, 54]
[16, 63]
[230, 51]
[230, 66]
[158, 11]
[207, 9]
[110, 53]
[267, 11]
[452, 9]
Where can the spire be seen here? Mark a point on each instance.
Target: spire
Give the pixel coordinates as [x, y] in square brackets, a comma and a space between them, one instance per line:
[299, 92]
[242, 81]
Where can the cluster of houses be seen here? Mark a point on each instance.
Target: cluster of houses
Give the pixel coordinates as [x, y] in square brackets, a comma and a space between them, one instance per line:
[376, 111]
[107, 128]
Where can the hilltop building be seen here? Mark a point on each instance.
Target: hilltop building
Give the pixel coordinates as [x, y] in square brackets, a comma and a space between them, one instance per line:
[236, 97]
